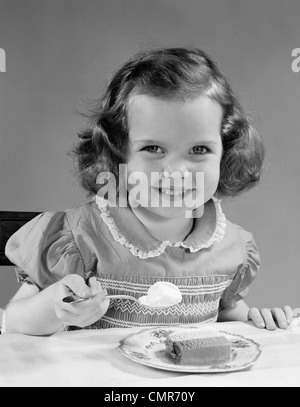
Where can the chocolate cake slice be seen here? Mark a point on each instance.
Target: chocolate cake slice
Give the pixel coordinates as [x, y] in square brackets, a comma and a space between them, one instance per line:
[199, 348]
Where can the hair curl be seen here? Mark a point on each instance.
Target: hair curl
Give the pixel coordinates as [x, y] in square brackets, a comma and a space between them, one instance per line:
[169, 73]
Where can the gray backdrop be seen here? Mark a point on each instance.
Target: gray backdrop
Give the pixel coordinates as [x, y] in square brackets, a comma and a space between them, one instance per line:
[59, 55]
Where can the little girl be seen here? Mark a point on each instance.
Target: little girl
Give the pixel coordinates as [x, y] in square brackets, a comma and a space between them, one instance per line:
[167, 111]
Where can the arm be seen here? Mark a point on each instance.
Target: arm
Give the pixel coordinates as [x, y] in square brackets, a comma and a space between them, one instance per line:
[239, 312]
[43, 313]
[32, 312]
[265, 318]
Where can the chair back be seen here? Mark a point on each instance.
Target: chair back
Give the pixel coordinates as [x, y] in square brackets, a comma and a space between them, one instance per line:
[10, 222]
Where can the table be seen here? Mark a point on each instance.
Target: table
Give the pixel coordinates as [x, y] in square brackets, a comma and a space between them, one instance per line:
[92, 358]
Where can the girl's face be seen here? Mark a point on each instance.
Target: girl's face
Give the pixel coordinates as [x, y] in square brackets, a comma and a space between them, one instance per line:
[178, 137]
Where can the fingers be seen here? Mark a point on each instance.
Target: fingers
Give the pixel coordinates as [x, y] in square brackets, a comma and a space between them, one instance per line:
[76, 284]
[270, 319]
[96, 287]
[256, 317]
[262, 318]
[280, 317]
[283, 317]
[92, 318]
[84, 313]
[289, 313]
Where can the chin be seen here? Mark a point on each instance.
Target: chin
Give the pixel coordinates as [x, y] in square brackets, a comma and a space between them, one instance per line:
[169, 213]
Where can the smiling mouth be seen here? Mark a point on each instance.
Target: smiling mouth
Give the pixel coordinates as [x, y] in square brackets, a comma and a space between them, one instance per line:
[173, 192]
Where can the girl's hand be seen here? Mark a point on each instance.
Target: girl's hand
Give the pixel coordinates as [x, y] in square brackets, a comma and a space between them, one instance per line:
[84, 313]
[271, 318]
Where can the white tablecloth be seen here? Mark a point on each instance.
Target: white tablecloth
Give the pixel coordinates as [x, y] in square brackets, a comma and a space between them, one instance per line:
[92, 358]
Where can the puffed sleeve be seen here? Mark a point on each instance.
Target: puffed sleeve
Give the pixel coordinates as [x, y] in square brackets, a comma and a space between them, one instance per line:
[44, 250]
[246, 273]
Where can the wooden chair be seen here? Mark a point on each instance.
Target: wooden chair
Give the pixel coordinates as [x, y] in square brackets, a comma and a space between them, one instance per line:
[10, 222]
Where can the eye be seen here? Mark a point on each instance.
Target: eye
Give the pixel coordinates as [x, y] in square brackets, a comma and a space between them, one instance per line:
[152, 149]
[200, 150]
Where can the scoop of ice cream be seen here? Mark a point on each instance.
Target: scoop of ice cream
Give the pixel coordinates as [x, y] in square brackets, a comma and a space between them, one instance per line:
[162, 294]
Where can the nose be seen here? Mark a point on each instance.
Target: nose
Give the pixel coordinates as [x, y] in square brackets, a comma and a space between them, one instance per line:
[175, 166]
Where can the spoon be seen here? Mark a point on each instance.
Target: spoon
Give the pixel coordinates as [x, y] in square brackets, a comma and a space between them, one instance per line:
[73, 300]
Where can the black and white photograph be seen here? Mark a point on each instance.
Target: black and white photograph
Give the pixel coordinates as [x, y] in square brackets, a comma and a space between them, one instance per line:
[149, 204]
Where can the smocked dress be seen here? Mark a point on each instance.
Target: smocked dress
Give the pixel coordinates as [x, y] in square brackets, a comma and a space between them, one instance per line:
[212, 267]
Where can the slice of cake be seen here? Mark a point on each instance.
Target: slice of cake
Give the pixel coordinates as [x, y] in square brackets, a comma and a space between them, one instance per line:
[194, 347]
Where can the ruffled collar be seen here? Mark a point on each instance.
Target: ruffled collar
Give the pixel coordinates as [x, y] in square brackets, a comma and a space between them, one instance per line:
[127, 230]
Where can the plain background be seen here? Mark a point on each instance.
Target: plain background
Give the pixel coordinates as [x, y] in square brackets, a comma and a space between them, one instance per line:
[60, 54]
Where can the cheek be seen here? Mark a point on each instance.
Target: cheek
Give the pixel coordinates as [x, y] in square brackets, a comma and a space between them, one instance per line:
[139, 178]
[138, 165]
[211, 180]
[213, 174]
[138, 168]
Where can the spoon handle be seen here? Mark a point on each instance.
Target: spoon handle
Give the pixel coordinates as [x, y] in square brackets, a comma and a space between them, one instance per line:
[72, 300]
[123, 297]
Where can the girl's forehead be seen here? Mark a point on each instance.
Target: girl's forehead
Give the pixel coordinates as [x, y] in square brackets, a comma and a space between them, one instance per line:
[149, 115]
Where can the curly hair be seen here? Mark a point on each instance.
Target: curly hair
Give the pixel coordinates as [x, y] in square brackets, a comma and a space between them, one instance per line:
[169, 73]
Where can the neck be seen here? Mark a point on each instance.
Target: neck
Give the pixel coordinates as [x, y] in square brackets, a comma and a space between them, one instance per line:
[163, 229]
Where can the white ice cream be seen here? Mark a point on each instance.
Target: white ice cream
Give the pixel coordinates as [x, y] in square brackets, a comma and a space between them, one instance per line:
[162, 294]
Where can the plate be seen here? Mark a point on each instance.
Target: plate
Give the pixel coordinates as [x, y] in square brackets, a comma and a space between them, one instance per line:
[147, 347]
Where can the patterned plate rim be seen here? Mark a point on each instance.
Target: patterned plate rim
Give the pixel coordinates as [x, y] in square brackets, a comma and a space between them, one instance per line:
[190, 369]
